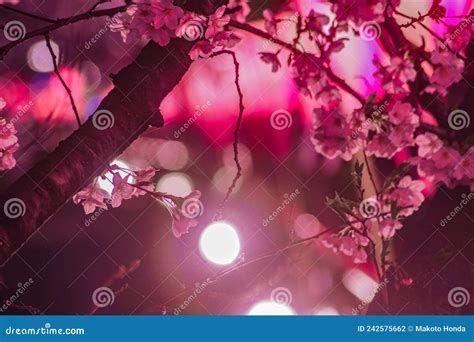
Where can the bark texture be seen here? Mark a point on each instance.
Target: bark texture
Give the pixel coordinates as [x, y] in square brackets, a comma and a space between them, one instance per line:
[133, 103]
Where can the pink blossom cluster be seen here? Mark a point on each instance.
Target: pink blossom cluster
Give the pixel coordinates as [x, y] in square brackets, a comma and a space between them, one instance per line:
[216, 36]
[134, 184]
[363, 10]
[434, 159]
[8, 142]
[160, 20]
[388, 210]
[152, 19]
[447, 70]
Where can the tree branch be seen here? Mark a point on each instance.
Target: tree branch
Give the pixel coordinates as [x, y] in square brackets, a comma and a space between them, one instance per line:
[52, 182]
[61, 23]
[333, 77]
[236, 131]
[56, 71]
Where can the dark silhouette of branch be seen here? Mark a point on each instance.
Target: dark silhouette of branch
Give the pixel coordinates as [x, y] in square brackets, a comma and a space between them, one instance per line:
[117, 122]
[27, 14]
[239, 266]
[56, 71]
[339, 81]
[236, 131]
[61, 23]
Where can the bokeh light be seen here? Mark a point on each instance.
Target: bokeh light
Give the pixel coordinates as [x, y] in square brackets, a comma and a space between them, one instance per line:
[176, 184]
[39, 58]
[172, 155]
[219, 243]
[105, 182]
[360, 284]
[269, 308]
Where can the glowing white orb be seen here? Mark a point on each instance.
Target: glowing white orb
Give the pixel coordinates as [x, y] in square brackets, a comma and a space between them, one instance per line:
[105, 182]
[176, 184]
[270, 308]
[39, 58]
[219, 243]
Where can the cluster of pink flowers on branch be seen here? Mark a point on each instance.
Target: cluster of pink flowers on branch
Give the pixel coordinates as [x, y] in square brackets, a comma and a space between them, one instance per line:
[160, 20]
[128, 184]
[8, 142]
[384, 212]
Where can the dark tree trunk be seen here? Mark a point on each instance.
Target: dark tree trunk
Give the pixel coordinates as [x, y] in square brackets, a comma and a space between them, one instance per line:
[134, 102]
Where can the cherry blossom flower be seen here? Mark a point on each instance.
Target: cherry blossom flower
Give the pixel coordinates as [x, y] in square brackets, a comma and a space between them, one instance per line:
[447, 71]
[166, 14]
[350, 245]
[388, 227]
[142, 180]
[381, 146]
[332, 134]
[241, 15]
[433, 167]
[271, 58]
[91, 198]
[316, 21]
[395, 75]
[122, 189]
[121, 22]
[428, 143]
[458, 36]
[446, 157]
[155, 20]
[465, 167]
[181, 222]
[7, 160]
[202, 49]
[408, 195]
[217, 21]
[226, 39]
[270, 22]
[8, 145]
[307, 71]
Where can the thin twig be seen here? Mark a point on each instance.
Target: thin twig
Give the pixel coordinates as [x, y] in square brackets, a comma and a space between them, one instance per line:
[56, 71]
[369, 170]
[419, 21]
[27, 14]
[234, 268]
[236, 131]
[61, 23]
[339, 81]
